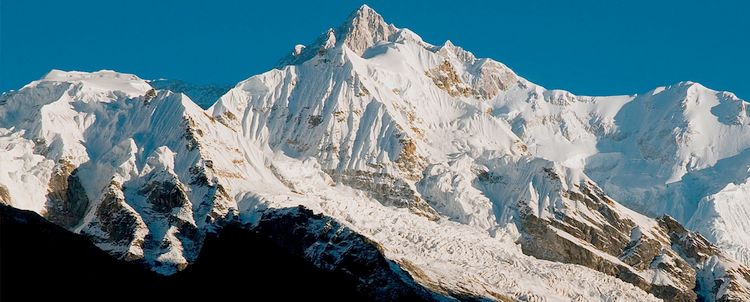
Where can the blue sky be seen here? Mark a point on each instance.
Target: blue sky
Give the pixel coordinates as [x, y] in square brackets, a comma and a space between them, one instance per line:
[587, 47]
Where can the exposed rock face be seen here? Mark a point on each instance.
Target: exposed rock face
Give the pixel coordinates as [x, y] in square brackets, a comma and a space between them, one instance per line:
[4, 195]
[217, 203]
[122, 230]
[724, 279]
[333, 247]
[390, 191]
[116, 227]
[667, 260]
[690, 244]
[487, 79]
[192, 134]
[164, 195]
[67, 203]
[364, 28]
[169, 200]
[409, 162]
[493, 79]
[446, 78]
[544, 241]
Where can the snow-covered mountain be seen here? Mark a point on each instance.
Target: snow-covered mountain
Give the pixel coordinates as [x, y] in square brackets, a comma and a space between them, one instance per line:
[679, 150]
[450, 175]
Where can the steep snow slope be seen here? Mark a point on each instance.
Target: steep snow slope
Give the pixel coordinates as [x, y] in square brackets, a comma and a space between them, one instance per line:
[665, 135]
[722, 218]
[456, 167]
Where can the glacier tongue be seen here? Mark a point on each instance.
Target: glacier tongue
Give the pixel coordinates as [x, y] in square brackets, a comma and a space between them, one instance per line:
[470, 179]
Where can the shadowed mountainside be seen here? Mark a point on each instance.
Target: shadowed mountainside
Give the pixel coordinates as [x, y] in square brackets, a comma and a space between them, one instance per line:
[41, 260]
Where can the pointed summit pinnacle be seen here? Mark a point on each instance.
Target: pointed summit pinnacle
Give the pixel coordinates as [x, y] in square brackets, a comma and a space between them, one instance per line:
[365, 13]
[363, 29]
[365, 7]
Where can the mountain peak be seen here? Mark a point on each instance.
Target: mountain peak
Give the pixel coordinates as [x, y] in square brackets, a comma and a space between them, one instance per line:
[363, 29]
[102, 80]
[61, 75]
[364, 8]
[364, 13]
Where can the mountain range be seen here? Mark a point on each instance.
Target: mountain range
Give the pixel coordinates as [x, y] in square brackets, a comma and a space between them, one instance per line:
[416, 171]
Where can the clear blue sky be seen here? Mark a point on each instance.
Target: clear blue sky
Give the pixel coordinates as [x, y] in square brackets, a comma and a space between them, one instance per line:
[587, 47]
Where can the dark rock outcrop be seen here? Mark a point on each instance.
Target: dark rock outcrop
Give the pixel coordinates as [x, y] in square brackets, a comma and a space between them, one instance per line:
[542, 240]
[4, 195]
[116, 224]
[610, 242]
[336, 248]
[67, 201]
[389, 190]
[727, 278]
[603, 242]
[235, 263]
